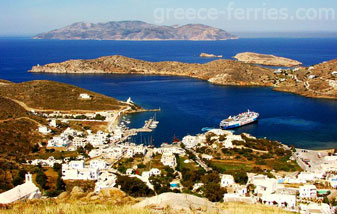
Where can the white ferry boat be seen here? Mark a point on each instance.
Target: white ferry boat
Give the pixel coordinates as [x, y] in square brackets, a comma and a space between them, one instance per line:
[239, 120]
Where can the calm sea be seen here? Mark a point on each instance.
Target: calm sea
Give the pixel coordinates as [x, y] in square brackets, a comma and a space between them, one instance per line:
[188, 104]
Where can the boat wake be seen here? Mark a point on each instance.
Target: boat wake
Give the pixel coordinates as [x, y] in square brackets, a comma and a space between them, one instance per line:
[290, 121]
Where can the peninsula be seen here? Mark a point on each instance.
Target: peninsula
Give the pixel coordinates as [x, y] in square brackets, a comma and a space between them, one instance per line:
[135, 30]
[269, 60]
[317, 81]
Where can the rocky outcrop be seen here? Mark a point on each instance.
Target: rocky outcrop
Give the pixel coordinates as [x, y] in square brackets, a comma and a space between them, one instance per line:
[178, 202]
[221, 72]
[110, 195]
[206, 55]
[269, 60]
[135, 30]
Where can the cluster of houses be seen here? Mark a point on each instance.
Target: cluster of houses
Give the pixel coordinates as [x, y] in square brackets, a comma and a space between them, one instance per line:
[72, 139]
[292, 192]
[217, 135]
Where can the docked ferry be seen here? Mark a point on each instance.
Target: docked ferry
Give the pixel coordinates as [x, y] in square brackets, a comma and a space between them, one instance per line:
[239, 120]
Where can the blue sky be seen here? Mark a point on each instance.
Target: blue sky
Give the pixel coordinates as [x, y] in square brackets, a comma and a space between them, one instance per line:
[29, 17]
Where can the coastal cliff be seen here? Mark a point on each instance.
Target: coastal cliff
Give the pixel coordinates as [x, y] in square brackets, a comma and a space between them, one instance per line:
[317, 81]
[135, 30]
[269, 60]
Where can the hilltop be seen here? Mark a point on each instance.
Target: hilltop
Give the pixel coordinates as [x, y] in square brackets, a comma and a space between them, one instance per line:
[135, 30]
[50, 95]
[317, 81]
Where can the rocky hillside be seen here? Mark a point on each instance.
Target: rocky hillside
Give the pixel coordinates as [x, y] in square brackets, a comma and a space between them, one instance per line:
[226, 72]
[318, 81]
[269, 60]
[50, 95]
[135, 30]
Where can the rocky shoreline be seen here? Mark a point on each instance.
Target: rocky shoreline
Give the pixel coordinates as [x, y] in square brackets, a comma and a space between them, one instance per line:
[309, 82]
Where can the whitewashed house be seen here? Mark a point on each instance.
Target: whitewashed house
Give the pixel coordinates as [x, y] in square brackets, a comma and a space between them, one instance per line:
[310, 176]
[129, 171]
[263, 184]
[227, 180]
[48, 162]
[155, 172]
[53, 123]
[85, 96]
[44, 130]
[98, 139]
[140, 149]
[168, 159]
[206, 156]
[95, 153]
[75, 170]
[105, 180]
[308, 191]
[79, 142]
[191, 141]
[284, 201]
[25, 191]
[313, 208]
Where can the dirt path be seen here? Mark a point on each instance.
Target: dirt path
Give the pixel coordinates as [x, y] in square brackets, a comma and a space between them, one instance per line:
[20, 118]
[27, 108]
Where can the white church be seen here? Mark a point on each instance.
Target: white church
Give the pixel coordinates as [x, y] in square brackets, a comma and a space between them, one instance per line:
[25, 191]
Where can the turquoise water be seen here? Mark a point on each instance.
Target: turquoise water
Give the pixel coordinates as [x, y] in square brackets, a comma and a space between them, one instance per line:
[188, 104]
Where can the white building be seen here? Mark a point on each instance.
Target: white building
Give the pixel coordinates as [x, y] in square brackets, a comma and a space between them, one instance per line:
[48, 162]
[168, 159]
[191, 141]
[76, 170]
[155, 172]
[79, 142]
[52, 123]
[308, 191]
[227, 180]
[98, 139]
[28, 190]
[321, 208]
[44, 130]
[284, 201]
[263, 184]
[129, 171]
[310, 176]
[207, 157]
[85, 96]
[105, 180]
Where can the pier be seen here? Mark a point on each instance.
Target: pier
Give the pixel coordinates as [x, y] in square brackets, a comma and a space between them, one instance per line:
[145, 128]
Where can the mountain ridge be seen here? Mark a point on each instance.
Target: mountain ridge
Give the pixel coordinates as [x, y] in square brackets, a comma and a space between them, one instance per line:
[135, 30]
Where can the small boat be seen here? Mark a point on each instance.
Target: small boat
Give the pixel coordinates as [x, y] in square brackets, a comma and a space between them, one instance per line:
[207, 129]
[239, 120]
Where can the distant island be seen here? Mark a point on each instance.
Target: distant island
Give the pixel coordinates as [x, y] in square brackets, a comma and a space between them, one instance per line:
[135, 30]
[206, 55]
[264, 59]
[319, 81]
